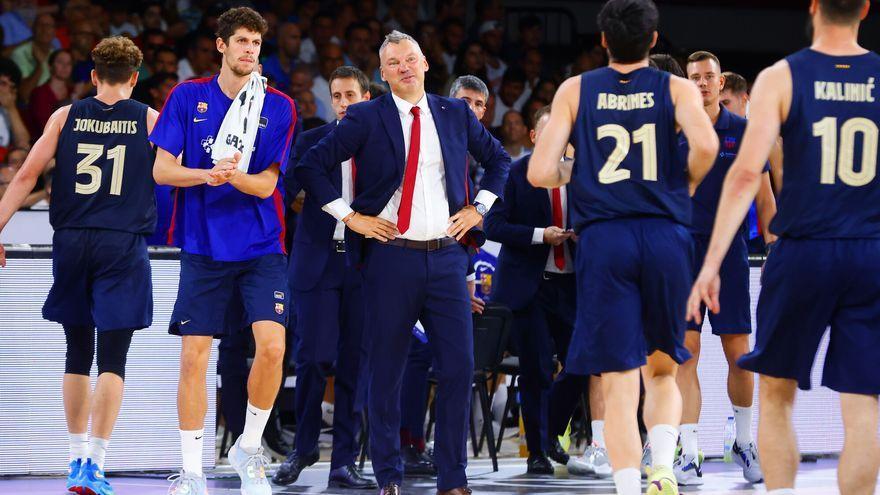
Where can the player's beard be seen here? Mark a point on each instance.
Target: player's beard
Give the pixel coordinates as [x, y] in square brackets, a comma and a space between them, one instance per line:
[238, 69]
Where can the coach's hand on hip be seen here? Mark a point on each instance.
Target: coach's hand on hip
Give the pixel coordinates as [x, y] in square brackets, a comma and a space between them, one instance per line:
[463, 221]
[374, 227]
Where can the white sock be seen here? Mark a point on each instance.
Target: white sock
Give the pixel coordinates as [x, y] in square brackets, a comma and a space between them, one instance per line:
[664, 439]
[191, 450]
[252, 437]
[98, 451]
[79, 445]
[689, 439]
[782, 491]
[628, 481]
[598, 427]
[743, 418]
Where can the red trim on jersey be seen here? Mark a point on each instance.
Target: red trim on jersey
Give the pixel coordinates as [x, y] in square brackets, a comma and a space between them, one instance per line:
[170, 240]
[293, 115]
[279, 209]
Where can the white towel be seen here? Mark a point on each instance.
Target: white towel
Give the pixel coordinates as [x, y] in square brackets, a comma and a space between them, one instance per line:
[239, 128]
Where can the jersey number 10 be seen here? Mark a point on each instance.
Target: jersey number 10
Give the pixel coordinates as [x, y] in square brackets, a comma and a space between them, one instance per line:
[837, 153]
[86, 166]
[646, 135]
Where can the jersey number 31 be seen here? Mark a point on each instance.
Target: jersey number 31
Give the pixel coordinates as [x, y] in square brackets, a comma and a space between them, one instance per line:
[86, 166]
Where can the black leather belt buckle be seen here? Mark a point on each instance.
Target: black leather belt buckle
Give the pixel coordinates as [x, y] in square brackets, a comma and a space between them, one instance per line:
[339, 246]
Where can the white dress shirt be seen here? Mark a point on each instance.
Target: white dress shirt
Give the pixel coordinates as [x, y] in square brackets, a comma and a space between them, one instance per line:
[430, 207]
[538, 237]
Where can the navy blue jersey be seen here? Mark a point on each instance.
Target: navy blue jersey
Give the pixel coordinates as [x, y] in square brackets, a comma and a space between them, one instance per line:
[830, 189]
[730, 129]
[626, 162]
[104, 169]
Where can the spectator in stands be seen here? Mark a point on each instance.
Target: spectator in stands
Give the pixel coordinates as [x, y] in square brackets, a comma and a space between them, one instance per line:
[13, 131]
[446, 10]
[358, 50]
[120, 21]
[32, 57]
[306, 106]
[429, 41]
[200, 58]
[15, 29]
[159, 87]
[514, 134]
[329, 58]
[532, 64]
[57, 92]
[83, 37]
[545, 90]
[530, 36]
[591, 56]
[531, 107]
[280, 65]
[367, 9]
[403, 15]
[15, 158]
[6, 175]
[321, 33]
[152, 16]
[345, 16]
[471, 60]
[492, 38]
[452, 38]
[512, 86]
[164, 60]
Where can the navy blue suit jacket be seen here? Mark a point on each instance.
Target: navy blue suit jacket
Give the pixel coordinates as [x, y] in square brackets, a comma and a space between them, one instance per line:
[313, 239]
[512, 222]
[372, 134]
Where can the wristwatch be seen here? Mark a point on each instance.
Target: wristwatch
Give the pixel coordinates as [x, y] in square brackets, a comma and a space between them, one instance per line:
[481, 209]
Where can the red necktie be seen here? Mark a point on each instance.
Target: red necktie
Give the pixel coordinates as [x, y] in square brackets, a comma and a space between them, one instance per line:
[558, 251]
[409, 175]
[354, 172]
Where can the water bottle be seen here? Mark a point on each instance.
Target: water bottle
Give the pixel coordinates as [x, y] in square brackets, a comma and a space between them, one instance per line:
[729, 437]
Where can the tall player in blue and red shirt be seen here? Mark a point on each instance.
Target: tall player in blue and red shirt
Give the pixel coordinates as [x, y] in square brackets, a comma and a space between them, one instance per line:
[230, 228]
[825, 269]
[102, 211]
[630, 209]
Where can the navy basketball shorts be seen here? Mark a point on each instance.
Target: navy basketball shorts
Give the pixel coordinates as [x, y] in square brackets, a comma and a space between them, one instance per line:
[735, 316]
[807, 285]
[634, 278]
[102, 279]
[210, 291]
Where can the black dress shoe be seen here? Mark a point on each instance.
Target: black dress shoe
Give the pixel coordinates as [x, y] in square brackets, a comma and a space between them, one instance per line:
[390, 489]
[558, 454]
[417, 463]
[539, 464]
[349, 477]
[288, 471]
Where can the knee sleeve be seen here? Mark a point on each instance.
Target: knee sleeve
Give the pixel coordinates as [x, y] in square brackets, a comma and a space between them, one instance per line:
[113, 351]
[80, 349]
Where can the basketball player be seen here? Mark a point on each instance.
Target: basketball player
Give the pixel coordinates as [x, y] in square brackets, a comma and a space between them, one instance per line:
[734, 324]
[825, 269]
[229, 225]
[102, 210]
[630, 209]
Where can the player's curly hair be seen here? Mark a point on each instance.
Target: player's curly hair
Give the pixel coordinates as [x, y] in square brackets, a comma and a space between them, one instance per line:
[116, 59]
[239, 17]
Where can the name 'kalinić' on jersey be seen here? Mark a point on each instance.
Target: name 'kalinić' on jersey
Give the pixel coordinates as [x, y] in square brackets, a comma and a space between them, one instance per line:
[220, 221]
[830, 139]
[625, 149]
[103, 175]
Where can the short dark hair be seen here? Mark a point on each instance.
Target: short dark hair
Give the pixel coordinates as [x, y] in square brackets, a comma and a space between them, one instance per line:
[629, 27]
[160, 78]
[240, 17]
[356, 25]
[152, 32]
[735, 83]
[54, 55]
[703, 55]
[545, 110]
[513, 75]
[528, 22]
[9, 69]
[349, 72]
[377, 89]
[116, 59]
[164, 49]
[841, 11]
[666, 63]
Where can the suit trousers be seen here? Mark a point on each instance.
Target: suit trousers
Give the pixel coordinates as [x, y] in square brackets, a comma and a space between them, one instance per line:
[402, 285]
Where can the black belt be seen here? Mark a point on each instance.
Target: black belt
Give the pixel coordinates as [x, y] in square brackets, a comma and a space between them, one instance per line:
[432, 245]
[339, 246]
[556, 276]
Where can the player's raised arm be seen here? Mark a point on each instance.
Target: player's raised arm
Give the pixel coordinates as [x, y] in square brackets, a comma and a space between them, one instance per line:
[39, 156]
[770, 101]
[546, 167]
[697, 127]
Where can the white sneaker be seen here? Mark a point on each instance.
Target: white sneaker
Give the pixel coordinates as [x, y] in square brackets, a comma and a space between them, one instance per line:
[251, 468]
[688, 470]
[597, 458]
[184, 483]
[646, 461]
[580, 466]
[747, 458]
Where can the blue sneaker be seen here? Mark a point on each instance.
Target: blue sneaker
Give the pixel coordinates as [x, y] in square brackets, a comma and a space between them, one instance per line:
[93, 482]
[73, 474]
